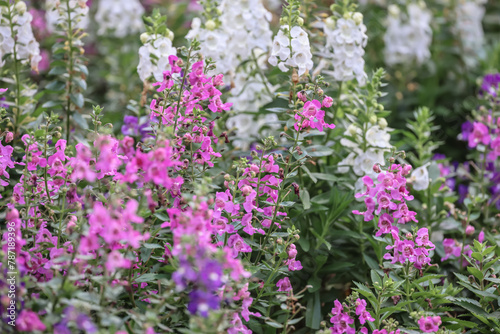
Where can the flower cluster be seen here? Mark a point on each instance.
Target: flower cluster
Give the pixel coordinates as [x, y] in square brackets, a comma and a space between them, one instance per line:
[408, 34]
[122, 18]
[243, 29]
[154, 56]
[454, 248]
[469, 30]
[345, 42]
[5, 162]
[19, 36]
[490, 84]
[363, 157]
[387, 199]
[484, 133]
[291, 48]
[311, 116]
[57, 13]
[342, 321]
[196, 252]
[429, 324]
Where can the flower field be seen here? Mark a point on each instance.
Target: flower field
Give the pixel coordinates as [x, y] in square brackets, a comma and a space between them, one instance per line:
[250, 166]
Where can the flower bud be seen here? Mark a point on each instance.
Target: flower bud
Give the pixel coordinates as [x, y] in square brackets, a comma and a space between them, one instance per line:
[327, 102]
[382, 123]
[144, 37]
[227, 177]
[347, 15]
[170, 35]
[302, 96]
[330, 23]
[21, 7]
[394, 10]
[376, 168]
[469, 230]
[352, 129]
[358, 18]
[246, 190]
[300, 21]
[373, 119]
[9, 137]
[210, 25]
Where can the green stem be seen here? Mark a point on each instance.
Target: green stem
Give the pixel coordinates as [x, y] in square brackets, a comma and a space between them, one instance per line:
[69, 34]
[17, 124]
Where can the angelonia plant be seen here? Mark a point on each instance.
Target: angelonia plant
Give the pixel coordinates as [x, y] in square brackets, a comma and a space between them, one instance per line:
[250, 184]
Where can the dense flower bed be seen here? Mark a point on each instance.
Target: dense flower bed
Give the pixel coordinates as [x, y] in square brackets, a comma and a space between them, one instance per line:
[240, 174]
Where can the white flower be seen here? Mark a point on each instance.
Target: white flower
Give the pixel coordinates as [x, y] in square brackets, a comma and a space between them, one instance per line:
[363, 163]
[408, 36]
[27, 48]
[56, 13]
[420, 177]
[469, 15]
[161, 47]
[244, 33]
[377, 137]
[348, 161]
[119, 18]
[344, 49]
[295, 52]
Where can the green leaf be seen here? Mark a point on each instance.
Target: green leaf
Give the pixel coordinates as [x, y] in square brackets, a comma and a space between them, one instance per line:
[319, 151]
[77, 99]
[306, 199]
[148, 245]
[78, 118]
[476, 272]
[57, 70]
[313, 311]
[80, 83]
[326, 177]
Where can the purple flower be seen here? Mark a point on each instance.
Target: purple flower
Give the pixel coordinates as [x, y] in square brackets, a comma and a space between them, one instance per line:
[131, 127]
[284, 285]
[466, 130]
[85, 324]
[211, 275]
[200, 302]
[61, 329]
[490, 84]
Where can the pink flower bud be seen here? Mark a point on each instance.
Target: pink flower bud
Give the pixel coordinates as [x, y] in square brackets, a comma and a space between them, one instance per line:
[480, 238]
[246, 190]
[376, 168]
[254, 168]
[12, 215]
[327, 102]
[469, 230]
[9, 137]
[302, 96]
[407, 169]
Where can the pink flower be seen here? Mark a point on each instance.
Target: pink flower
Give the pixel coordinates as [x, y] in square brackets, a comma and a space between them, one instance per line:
[284, 284]
[480, 237]
[311, 116]
[480, 134]
[422, 238]
[302, 96]
[495, 148]
[238, 245]
[327, 102]
[469, 230]
[116, 260]
[28, 321]
[429, 324]
[385, 222]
